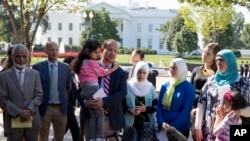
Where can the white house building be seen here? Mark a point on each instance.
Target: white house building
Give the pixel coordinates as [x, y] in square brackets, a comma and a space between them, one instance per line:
[137, 26]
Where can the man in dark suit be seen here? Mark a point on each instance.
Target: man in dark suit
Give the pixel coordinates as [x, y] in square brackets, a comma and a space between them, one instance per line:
[112, 104]
[136, 56]
[56, 83]
[20, 95]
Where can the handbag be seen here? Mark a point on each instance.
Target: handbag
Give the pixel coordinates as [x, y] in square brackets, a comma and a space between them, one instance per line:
[148, 132]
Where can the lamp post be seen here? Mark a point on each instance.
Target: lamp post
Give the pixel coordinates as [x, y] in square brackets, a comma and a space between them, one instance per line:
[88, 22]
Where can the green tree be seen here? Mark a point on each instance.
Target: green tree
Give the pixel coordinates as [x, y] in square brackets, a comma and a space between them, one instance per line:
[209, 21]
[246, 35]
[231, 38]
[169, 29]
[102, 27]
[30, 14]
[221, 3]
[178, 37]
[185, 41]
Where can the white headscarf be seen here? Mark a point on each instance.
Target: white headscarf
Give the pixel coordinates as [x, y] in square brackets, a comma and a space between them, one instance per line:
[182, 68]
[141, 88]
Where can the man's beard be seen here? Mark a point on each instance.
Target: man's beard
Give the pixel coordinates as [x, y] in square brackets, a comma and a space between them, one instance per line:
[19, 65]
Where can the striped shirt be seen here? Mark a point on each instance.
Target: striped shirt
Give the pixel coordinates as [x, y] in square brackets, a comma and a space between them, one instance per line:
[222, 131]
[90, 71]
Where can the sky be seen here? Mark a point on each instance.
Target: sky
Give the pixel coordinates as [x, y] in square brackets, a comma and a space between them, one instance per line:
[169, 4]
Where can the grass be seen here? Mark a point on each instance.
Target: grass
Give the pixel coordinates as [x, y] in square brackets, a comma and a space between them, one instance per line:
[124, 59]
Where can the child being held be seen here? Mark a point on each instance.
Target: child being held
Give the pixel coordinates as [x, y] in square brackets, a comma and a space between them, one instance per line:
[233, 100]
[88, 70]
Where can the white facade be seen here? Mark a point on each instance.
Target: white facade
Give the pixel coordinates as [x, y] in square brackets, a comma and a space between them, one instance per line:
[137, 26]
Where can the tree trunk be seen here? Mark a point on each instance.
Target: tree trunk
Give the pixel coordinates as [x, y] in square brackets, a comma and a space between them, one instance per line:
[12, 20]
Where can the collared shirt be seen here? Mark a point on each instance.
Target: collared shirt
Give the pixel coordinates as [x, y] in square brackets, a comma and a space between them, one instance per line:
[17, 72]
[104, 66]
[56, 70]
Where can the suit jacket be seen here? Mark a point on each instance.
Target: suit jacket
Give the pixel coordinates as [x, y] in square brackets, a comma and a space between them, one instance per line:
[117, 93]
[13, 99]
[64, 84]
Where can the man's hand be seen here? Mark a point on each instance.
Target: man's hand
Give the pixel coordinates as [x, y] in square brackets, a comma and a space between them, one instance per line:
[24, 114]
[95, 103]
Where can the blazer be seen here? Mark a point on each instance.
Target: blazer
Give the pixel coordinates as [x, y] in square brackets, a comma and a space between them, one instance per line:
[13, 99]
[113, 102]
[64, 85]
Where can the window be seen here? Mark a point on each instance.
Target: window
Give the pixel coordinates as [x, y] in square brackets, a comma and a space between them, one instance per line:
[59, 40]
[49, 39]
[161, 43]
[122, 27]
[150, 43]
[70, 40]
[80, 27]
[49, 26]
[150, 27]
[139, 27]
[70, 26]
[138, 43]
[59, 26]
[121, 42]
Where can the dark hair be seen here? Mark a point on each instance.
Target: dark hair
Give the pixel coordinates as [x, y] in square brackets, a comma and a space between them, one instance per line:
[8, 61]
[215, 48]
[89, 46]
[68, 59]
[238, 101]
[140, 52]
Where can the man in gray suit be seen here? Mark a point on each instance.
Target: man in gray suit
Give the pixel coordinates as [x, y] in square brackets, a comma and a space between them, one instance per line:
[56, 84]
[20, 95]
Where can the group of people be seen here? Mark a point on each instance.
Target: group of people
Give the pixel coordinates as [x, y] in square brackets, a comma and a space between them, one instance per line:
[112, 100]
[244, 69]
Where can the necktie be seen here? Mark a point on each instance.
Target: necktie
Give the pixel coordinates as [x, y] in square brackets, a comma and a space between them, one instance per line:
[106, 84]
[53, 85]
[20, 79]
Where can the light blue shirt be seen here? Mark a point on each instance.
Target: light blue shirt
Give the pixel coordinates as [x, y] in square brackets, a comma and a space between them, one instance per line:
[56, 70]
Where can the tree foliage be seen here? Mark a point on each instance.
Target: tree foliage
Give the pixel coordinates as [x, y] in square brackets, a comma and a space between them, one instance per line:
[102, 27]
[220, 3]
[231, 38]
[246, 35]
[178, 37]
[30, 14]
[209, 21]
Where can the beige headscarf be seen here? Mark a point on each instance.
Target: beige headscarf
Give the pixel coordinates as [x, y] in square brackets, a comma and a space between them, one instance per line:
[181, 77]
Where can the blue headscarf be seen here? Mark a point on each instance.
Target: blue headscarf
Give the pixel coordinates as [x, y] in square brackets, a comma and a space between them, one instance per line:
[231, 74]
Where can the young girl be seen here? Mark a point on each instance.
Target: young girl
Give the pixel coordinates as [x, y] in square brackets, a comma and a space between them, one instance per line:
[233, 100]
[89, 70]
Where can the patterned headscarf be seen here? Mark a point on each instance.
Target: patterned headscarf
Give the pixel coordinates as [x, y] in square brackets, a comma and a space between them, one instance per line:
[231, 74]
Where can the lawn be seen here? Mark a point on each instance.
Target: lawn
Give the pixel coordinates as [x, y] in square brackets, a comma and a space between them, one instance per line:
[124, 59]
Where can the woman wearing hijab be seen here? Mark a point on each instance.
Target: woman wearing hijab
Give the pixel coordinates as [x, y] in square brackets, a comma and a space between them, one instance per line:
[226, 79]
[140, 99]
[176, 99]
